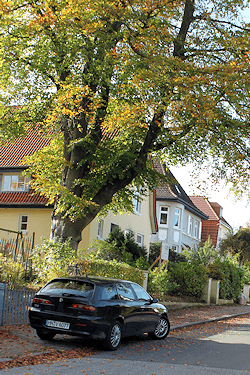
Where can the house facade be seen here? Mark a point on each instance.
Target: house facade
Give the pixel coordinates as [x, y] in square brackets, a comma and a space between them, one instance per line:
[22, 210]
[179, 220]
[216, 227]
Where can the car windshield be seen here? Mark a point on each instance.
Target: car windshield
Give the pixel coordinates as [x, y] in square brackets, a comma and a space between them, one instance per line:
[70, 287]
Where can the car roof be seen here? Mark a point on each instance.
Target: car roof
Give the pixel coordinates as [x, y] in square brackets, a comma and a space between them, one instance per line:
[98, 280]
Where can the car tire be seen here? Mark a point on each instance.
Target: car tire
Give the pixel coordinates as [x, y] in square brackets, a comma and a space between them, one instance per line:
[45, 335]
[114, 336]
[161, 330]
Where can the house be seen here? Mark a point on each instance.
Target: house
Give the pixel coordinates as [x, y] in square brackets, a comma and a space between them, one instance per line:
[21, 209]
[179, 220]
[216, 227]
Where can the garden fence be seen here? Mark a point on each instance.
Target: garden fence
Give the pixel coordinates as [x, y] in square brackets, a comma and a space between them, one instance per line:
[14, 305]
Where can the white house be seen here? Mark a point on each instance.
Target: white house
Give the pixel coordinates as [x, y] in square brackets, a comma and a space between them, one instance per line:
[179, 220]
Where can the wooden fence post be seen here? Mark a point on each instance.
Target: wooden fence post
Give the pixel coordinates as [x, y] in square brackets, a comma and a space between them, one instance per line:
[2, 300]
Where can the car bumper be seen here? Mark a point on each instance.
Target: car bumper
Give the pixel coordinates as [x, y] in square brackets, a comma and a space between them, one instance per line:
[87, 327]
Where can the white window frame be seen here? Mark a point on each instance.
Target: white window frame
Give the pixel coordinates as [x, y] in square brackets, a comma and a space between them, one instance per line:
[130, 232]
[137, 201]
[141, 242]
[165, 211]
[196, 229]
[100, 226]
[175, 248]
[16, 182]
[190, 225]
[178, 215]
[23, 225]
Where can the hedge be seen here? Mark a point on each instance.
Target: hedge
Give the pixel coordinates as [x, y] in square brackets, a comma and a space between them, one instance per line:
[110, 268]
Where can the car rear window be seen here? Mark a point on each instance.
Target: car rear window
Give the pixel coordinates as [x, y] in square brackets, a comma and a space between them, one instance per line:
[70, 287]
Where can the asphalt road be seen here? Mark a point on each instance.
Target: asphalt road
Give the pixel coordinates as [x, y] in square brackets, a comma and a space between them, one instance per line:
[215, 348]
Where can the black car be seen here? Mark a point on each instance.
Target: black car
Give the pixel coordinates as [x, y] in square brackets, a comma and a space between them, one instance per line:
[98, 308]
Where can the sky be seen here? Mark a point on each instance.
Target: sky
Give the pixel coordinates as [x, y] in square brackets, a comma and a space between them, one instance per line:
[236, 213]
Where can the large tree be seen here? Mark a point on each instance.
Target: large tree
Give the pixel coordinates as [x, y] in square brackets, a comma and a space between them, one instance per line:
[120, 80]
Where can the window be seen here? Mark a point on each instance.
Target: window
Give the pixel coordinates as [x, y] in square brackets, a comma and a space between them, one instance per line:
[177, 217]
[125, 292]
[137, 201]
[175, 248]
[100, 229]
[129, 232]
[109, 292]
[196, 229]
[113, 227]
[23, 223]
[190, 225]
[141, 293]
[163, 215]
[178, 190]
[140, 239]
[14, 182]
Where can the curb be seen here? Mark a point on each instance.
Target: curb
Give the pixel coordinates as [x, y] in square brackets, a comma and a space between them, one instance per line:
[223, 317]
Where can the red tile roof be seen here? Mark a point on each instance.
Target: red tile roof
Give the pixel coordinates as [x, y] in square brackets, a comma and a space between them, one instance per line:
[11, 154]
[18, 198]
[204, 205]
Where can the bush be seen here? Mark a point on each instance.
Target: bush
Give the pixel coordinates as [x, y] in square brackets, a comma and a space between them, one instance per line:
[157, 281]
[120, 247]
[175, 258]
[12, 272]
[52, 259]
[111, 268]
[232, 279]
[204, 253]
[187, 279]
[154, 251]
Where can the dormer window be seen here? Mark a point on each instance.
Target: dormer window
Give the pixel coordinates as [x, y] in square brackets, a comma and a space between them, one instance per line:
[14, 182]
[177, 189]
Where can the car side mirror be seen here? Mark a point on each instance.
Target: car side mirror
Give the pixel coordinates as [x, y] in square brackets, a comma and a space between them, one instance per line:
[154, 300]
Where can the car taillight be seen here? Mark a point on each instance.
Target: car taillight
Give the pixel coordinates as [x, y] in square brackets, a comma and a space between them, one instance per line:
[83, 307]
[41, 300]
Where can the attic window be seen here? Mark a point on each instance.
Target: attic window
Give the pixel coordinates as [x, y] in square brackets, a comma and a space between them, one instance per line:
[178, 190]
[14, 182]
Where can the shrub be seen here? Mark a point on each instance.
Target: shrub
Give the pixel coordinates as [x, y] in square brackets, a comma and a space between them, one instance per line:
[126, 243]
[187, 279]
[154, 251]
[52, 259]
[232, 279]
[111, 268]
[120, 247]
[157, 281]
[204, 253]
[175, 258]
[11, 272]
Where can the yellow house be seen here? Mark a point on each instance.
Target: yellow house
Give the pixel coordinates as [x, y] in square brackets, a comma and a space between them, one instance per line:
[22, 210]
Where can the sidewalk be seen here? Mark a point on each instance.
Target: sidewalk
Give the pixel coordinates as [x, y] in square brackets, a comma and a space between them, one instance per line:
[19, 345]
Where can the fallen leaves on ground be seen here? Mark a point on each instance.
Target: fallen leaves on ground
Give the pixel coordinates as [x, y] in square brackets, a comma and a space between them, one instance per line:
[49, 357]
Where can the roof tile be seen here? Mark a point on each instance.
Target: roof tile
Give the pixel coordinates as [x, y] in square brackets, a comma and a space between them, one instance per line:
[12, 153]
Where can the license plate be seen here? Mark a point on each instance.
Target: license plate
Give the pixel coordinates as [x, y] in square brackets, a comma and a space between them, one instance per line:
[54, 323]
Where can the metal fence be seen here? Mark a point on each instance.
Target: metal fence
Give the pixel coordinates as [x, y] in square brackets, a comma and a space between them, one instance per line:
[14, 305]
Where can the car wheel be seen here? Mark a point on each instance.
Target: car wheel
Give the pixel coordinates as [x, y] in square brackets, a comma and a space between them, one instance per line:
[45, 335]
[162, 329]
[114, 336]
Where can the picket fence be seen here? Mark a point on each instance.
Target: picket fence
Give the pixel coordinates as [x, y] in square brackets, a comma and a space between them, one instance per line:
[14, 305]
